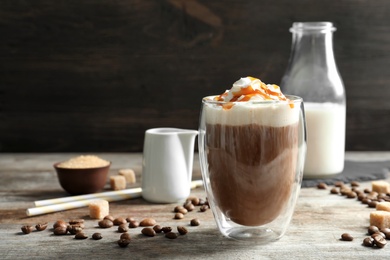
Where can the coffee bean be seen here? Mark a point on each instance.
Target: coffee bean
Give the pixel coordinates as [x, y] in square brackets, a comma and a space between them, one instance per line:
[109, 217]
[27, 229]
[171, 235]
[351, 195]
[378, 234]
[58, 231]
[372, 229]
[129, 219]
[368, 241]
[41, 226]
[195, 222]
[339, 184]
[80, 235]
[181, 210]
[147, 222]
[387, 233]
[366, 201]
[182, 230]
[125, 236]
[362, 196]
[194, 200]
[123, 228]
[123, 242]
[133, 224]
[334, 190]
[119, 221]
[201, 202]
[346, 237]
[354, 184]
[105, 223]
[203, 208]
[60, 223]
[76, 221]
[366, 190]
[148, 232]
[379, 241]
[74, 229]
[157, 228]
[179, 215]
[372, 204]
[166, 229]
[189, 206]
[322, 186]
[97, 236]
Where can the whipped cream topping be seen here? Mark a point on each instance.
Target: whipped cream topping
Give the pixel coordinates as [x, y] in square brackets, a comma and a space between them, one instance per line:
[251, 89]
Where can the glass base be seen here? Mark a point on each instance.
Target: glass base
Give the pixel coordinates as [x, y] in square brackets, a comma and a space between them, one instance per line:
[258, 235]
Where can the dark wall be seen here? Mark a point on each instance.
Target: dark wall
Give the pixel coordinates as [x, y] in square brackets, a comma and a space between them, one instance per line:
[94, 75]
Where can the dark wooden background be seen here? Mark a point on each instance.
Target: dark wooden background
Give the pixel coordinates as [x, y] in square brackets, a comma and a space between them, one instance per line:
[91, 75]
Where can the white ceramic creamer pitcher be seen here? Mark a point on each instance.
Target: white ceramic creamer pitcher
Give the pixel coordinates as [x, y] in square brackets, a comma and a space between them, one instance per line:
[167, 164]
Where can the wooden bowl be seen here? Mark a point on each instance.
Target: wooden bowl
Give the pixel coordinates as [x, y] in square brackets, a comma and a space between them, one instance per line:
[82, 181]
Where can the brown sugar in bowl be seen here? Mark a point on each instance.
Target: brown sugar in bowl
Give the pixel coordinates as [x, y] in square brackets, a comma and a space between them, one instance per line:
[77, 181]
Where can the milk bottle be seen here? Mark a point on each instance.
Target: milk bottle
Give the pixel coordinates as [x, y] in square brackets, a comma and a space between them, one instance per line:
[312, 74]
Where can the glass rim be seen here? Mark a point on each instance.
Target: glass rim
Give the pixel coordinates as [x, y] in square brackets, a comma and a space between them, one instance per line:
[312, 27]
[290, 99]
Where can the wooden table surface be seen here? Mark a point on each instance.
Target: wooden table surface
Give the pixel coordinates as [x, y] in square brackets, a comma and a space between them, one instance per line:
[318, 222]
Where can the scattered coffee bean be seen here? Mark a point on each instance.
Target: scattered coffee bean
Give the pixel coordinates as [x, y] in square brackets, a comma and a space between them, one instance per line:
[366, 201]
[129, 219]
[133, 224]
[166, 229]
[362, 196]
[80, 235]
[201, 202]
[322, 186]
[181, 210]
[368, 242]
[105, 223]
[60, 223]
[171, 235]
[179, 215]
[27, 229]
[346, 237]
[41, 226]
[355, 184]
[109, 217]
[157, 228]
[60, 230]
[372, 229]
[74, 229]
[123, 228]
[97, 236]
[123, 242]
[204, 208]
[387, 233]
[366, 190]
[379, 241]
[147, 222]
[372, 204]
[351, 195]
[378, 234]
[125, 236]
[119, 221]
[334, 190]
[76, 221]
[339, 184]
[148, 232]
[195, 222]
[194, 200]
[189, 206]
[182, 230]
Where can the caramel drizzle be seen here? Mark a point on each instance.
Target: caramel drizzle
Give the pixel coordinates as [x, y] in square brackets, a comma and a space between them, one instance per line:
[246, 93]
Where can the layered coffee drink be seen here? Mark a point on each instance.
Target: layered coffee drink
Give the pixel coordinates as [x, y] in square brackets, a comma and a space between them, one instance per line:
[251, 143]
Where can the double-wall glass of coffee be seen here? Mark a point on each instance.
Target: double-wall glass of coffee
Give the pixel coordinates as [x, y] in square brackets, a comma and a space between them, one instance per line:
[252, 155]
